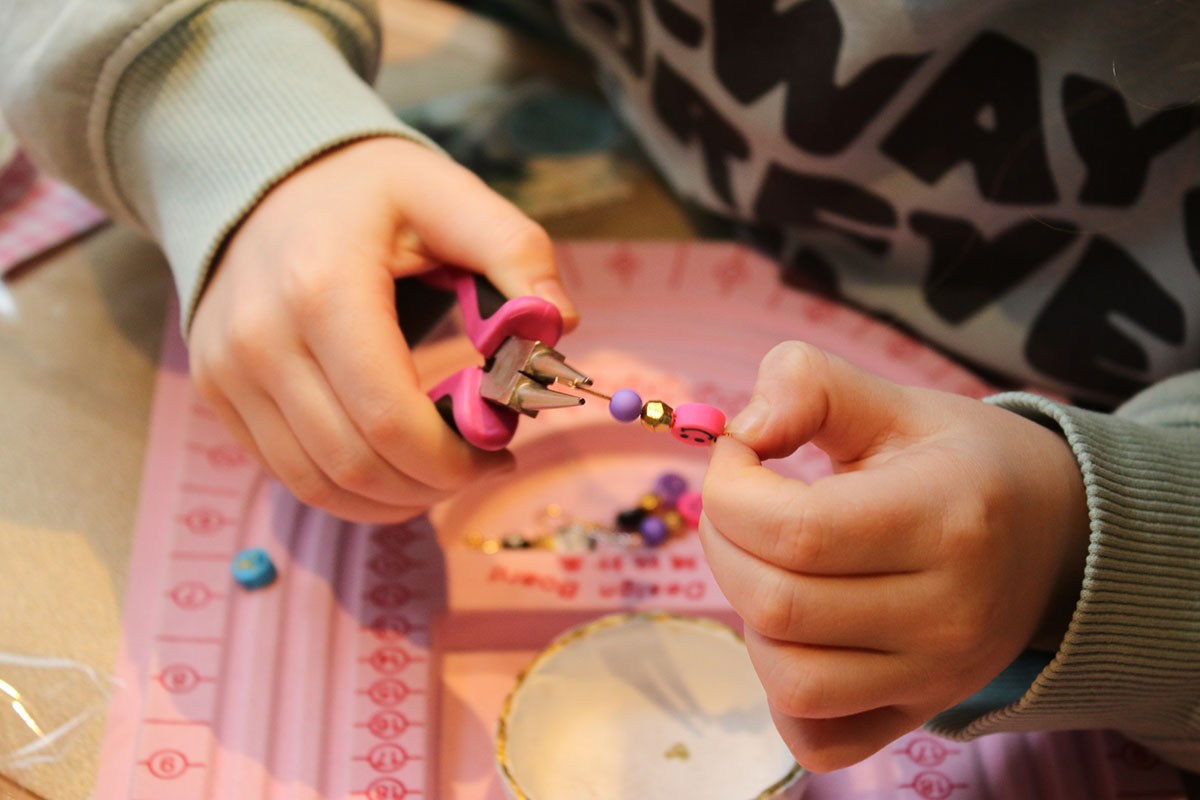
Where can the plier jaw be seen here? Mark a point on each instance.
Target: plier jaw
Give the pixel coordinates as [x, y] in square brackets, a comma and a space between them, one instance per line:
[516, 339]
[519, 374]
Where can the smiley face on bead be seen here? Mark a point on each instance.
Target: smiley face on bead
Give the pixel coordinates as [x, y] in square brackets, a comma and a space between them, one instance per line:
[697, 423]
[693, 435]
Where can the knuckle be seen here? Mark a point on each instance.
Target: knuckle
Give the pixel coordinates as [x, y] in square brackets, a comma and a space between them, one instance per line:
[354, 472]
[385, 427]
[797, 535]
[220, 371]
[964, 626]
[304, 288]
[804, 697]
[526, 242]
[381, 423]
[211, 366]
[771, 608]
[309, 488]
[206, 375]
[247, 337]
[972, 513]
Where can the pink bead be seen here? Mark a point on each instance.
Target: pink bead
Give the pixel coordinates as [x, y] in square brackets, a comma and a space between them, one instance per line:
[697, 423]
[689, 507]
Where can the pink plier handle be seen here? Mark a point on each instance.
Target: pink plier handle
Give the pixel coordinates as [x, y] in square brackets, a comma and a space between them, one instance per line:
[489, 318]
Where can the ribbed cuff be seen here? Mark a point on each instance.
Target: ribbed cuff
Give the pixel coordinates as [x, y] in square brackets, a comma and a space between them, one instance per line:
[224, 105]
[1131, 657]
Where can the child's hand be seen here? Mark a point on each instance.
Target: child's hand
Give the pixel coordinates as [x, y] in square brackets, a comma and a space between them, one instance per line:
[951, 537]
[295, 342]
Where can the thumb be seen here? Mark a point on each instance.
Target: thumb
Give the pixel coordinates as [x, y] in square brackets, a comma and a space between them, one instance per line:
[804, 394]
[463, 222]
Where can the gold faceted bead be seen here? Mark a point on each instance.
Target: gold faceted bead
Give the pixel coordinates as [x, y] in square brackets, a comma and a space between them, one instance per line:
[649, 502]
[656, 415]
[674, 520]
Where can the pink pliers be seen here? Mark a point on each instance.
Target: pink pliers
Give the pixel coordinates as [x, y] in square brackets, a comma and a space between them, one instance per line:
[516, 338]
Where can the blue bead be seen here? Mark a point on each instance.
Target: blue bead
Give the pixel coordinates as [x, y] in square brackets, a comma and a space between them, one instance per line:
[654, 531]
[625, 406]
[253, 569]
[669, 486]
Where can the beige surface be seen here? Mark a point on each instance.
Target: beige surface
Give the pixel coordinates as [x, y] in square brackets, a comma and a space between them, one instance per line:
[77, 367]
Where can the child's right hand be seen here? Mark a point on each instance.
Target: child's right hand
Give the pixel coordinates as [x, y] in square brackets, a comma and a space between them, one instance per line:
[296, 345]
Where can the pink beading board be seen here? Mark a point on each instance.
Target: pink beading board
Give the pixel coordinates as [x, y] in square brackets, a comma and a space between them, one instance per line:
[376, 665]
[38, 213]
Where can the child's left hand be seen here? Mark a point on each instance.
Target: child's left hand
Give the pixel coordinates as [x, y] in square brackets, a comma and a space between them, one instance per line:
[951, 537]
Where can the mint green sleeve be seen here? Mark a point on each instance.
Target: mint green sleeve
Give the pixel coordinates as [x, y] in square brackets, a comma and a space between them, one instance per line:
[176, 117]
[1130, 660]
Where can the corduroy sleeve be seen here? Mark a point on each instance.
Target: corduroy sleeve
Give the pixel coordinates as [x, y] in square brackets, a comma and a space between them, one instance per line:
[1130, 660]
[176, 117]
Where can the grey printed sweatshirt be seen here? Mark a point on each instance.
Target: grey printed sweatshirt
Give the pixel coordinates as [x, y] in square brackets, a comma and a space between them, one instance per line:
[1016, 181]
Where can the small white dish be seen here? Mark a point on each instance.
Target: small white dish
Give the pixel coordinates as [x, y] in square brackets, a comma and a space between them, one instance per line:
[643, 707]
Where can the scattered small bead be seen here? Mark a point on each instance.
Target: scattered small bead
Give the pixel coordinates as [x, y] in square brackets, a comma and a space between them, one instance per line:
[573, 538]
[625, 406]
[656, 415]
[253, 569]
[627, 540]
[515, 541]
[651, 523]
[649, 502]
[697, 423]
[689, 507]
[630, 519]
[669, 486]
[654, 531]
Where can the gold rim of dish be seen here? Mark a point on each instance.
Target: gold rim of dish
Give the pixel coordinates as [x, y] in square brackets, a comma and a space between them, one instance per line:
[586, 630]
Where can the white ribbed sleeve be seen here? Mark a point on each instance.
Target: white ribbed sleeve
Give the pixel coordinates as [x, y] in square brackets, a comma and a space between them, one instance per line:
[177, 117]
[1130, 660]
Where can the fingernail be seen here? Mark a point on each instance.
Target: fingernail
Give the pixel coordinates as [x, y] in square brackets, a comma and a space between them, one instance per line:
[750, 419]
[552, 291]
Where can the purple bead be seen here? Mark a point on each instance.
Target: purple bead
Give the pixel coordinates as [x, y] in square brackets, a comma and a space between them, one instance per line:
[669, 486]
[654, 531]
[625, 406]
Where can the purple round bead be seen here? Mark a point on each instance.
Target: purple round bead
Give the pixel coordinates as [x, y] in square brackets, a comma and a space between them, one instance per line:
[654, 531]
[625, 406]
[669, 486]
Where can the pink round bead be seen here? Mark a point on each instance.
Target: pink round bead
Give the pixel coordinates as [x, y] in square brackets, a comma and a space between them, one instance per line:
[689, 507]
[697, 423]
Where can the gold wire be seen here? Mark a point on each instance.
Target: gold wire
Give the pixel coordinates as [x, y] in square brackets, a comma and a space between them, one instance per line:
[583, 388]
